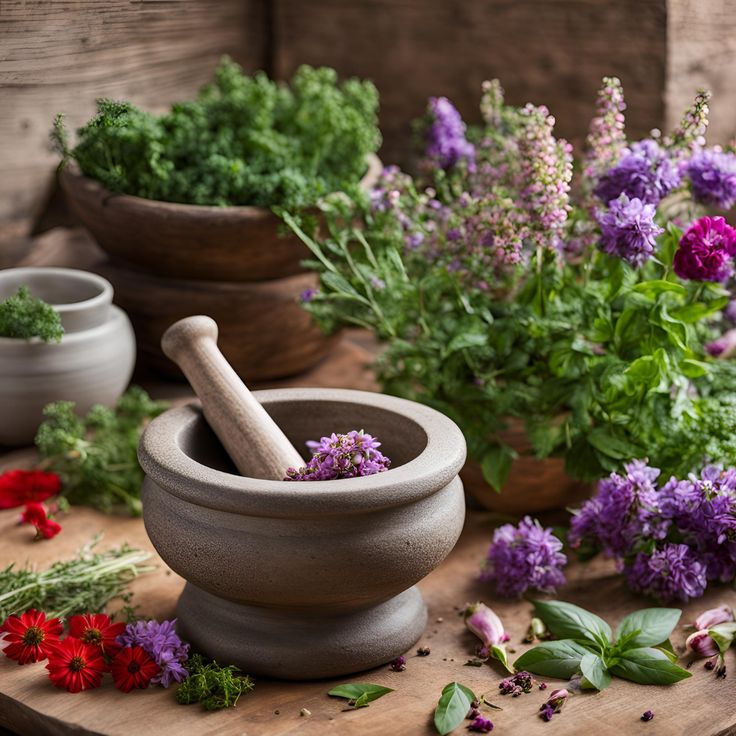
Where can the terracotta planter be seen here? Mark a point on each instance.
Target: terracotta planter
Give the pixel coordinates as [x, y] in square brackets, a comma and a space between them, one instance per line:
[185, 241]
[305, 580]
[91, 365]
[533, 485]
[264, 332]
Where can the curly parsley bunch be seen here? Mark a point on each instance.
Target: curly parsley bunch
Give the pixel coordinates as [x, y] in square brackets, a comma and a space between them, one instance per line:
[243, 141]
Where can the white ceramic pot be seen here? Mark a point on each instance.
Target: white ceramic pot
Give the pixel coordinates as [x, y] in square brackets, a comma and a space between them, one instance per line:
[91, 365]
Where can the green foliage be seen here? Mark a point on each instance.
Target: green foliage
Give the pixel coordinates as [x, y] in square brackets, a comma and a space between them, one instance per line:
[96, 456]
[24, 316]
[641, 651]
[242, 141]
[359, 694]
[601, 362]
[84, 584]
[453, 706]
[213, 686]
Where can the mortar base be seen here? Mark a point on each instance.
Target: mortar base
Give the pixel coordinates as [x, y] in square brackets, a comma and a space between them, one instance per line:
[291, 645]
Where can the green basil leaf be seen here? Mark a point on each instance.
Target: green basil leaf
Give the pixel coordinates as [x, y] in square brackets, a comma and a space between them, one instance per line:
[648, 666]
[361, 692]
[653, 289]
[496, 465]
[654, 624]
[553, 658]
[595, 672]
[499, 653]
[568, 621]
[453, 706]
[723, 635]
[667, 648]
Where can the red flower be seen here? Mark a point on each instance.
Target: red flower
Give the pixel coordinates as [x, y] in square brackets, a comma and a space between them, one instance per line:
[98, 630]
[20, 486]
[133, 668]
[30, 637]
[76, 666]
[35, 514]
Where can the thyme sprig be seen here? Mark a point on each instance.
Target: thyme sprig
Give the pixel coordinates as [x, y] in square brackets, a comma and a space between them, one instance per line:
[213, 686]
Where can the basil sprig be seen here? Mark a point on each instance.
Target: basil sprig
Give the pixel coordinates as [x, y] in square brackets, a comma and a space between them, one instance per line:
[359, 694]
[639, 651]
[453, 707]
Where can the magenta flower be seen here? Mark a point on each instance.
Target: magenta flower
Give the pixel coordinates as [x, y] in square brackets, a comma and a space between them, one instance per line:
[706, 251]
[711, 617]
[487, 626]
[557, 698]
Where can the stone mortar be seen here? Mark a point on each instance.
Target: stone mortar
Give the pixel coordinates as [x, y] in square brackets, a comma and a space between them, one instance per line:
[303, 580]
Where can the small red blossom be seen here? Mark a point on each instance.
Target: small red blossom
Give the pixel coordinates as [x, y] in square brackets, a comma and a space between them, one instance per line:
[76, 666]
[97, 629]
[30, 637]
[36, 515]
[18, 487]
[132, 668]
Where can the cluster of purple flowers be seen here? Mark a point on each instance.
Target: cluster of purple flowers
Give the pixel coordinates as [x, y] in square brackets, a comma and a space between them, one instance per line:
[628, 229]
[338, 456]
[645, 171]
[523, 557]
[670, 539]
[161, 642]
[518, 683]
[712, 174]
[446, 141]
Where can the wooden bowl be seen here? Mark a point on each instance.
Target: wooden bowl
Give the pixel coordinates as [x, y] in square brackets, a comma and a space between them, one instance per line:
[264, 332]
[533, 485]
[187, 241]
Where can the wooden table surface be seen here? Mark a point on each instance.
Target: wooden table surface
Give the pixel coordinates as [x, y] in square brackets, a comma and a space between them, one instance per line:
[29, 704]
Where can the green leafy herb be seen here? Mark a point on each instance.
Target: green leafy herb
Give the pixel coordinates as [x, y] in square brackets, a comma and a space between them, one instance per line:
[359, 694]
[453, 706]
[24, 316]
[213, 686]
[588, 647]
[96, 456]
[85, 584]
[243, 141]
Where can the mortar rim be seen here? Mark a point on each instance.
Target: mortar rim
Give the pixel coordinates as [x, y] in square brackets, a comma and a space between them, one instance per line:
[165, 462]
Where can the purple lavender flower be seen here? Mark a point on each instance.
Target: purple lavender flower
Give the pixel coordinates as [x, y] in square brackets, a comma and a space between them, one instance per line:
[446, 141]
[606, 138]
[628, 230]
[706, 251]
[163, 645]
[348, 455]
[643, 172]
[713, 178]
[670, 573]
[524, 556]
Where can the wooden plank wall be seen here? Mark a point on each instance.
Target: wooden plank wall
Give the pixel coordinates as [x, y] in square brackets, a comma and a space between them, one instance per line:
[60, 55]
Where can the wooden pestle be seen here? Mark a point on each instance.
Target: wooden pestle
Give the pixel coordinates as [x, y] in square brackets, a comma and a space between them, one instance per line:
[253, 440]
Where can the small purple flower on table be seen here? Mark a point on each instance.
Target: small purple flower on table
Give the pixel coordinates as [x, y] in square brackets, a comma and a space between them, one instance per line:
[523, 557]
[647, 715]
[628, 230]
[706, 251]
[481, 725]
[398, 664]
[557, 698]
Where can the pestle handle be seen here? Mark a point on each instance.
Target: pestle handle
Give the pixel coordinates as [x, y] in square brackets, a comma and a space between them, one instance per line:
[253, 440]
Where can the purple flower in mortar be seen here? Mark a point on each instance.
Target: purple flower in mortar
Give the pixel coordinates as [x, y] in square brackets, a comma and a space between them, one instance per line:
[711, 617]
[643, 172]
[701, 644]
[713, 177]
[161, 642]
[557, 698]
[628, 229]
[706, 251]
[446, 141]
[524, 556]
[487, 626]
[338, 456]
[481, 725]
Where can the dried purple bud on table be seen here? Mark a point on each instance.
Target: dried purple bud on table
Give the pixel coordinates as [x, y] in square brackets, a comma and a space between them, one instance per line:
[399, 664]
[647, 715]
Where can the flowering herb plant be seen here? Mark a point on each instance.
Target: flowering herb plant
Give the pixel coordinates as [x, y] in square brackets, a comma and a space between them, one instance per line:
[243, 141]
[640, 651]
[670, 537]
[501, 296]
[25, 316]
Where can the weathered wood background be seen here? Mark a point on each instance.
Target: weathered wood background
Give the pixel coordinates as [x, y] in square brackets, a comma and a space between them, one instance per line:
[59, 55]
